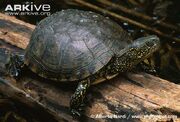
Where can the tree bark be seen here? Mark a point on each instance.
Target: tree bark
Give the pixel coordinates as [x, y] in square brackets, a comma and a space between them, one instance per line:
[128, 97]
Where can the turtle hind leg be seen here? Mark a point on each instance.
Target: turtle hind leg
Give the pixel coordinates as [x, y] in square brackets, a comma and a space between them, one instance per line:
[77, 99]
[15, 65]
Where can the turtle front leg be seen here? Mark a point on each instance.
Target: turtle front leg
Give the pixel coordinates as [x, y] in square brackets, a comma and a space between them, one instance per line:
[148, 68]
[77, 99]
[15, 65]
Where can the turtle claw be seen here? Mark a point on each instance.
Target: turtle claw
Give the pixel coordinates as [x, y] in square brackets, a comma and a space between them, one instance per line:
[75, 113]
[81, 108]
[82, 105]
[15, 65]
[13, 71]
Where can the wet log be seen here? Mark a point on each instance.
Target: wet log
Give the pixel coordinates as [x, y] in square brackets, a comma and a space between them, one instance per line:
[128, 97]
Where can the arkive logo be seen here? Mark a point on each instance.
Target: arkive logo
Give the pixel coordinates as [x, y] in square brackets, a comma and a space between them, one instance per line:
[28, 8]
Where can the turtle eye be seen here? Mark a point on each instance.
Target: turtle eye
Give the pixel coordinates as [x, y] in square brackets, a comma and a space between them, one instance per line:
[149, 44]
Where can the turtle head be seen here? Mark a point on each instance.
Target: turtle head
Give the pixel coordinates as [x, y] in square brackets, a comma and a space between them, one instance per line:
[143, 47]
[136, 52]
